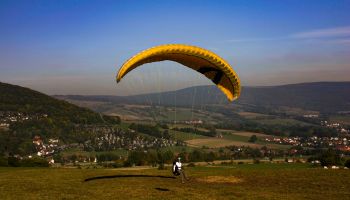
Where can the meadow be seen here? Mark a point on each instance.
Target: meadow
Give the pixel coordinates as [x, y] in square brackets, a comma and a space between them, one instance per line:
[237, 181]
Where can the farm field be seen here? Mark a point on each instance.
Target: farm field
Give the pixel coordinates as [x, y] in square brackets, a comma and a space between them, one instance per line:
[246, 181]
[280, 121]
[185, 136]
[135, 112]
[218, 142]
[252, 115]
[343, 119]
[229, 138]
[246, 133]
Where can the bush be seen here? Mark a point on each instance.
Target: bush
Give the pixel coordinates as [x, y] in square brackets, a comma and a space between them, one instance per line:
[197, 156]
[226, 163]
[191, 165]
[13, 161]
[119, 163]
[347, 163]
[34, 162]
[210, 157]
[330, 157]
[253, 139]
[161, 166]
[3, 162]
[136, 158]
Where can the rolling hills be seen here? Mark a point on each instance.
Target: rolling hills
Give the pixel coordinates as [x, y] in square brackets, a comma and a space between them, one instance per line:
[324, 97]
[26, 114]
[17, 99]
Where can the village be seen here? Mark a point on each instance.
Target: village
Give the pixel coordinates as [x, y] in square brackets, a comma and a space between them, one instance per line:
[109, 139]
[8, 117]
[339, 143]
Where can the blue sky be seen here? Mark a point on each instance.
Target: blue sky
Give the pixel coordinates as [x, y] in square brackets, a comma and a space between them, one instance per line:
[76, 47]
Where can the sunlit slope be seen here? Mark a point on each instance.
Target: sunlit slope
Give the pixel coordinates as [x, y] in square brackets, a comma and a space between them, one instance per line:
[246, 181]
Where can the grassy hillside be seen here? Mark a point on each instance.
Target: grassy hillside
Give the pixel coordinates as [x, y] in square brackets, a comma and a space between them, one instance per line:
[19, 99]
[30, 113]
[254, 181]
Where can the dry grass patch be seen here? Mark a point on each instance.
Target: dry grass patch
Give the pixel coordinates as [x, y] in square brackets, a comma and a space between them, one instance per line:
[220, 179]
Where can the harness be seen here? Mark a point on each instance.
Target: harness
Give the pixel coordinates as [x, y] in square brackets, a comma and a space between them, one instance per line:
[175, 169]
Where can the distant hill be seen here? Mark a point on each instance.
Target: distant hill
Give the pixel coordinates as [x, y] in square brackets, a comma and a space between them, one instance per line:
[19, 99]
[26, 114]
[326, 97]
[318, 96]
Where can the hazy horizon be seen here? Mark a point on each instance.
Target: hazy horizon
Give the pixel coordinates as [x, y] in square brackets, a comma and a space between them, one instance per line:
[71, 47]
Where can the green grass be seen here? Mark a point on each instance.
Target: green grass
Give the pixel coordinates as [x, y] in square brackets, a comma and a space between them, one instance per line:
[178, 149]
[260, 141]
[235, 137]
[164, 114]
[342, 119]
[185, 136]
[281, 121]
[258, 181]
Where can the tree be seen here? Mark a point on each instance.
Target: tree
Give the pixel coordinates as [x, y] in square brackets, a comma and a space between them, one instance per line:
[210, 157]
[165, 156]
[253, 139]
[136, 158]
[196, 156]
[3, 161]
[166, 134]
[347, 163]
[34, 162]
[330, 157]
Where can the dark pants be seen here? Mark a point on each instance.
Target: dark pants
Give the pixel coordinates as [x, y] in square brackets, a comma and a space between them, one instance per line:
[183, 175]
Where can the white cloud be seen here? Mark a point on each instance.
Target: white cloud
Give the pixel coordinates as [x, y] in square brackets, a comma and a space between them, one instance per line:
[256, 39]
[329, 33]
[341, 41]
[321, 33]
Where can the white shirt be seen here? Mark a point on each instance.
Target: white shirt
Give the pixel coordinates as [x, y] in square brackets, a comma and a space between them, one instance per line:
[178, 164]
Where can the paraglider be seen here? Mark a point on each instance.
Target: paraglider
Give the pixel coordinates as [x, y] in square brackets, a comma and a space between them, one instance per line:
[178, 170]
[201, 60]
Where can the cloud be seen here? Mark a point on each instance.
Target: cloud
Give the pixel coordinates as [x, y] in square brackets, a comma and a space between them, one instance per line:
[340, 41]
[336, 35]
[256, 39]
[322, 33]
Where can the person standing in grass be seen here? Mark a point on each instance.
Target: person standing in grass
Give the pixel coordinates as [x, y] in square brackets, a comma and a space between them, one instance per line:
[178, 170]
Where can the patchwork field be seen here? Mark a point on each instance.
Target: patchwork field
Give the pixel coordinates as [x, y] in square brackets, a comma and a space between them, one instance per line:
[185, 136]
[252, 115]
[218, 142]
[342, 119]
[229, 138]
[246, 181]
[247, 134]
[281, 121]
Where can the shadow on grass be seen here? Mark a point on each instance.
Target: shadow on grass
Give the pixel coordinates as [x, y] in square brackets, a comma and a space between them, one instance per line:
[162, 189]
[128, 176]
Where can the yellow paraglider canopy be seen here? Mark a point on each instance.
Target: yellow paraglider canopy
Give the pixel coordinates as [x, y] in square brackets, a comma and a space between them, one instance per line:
[201, 60]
